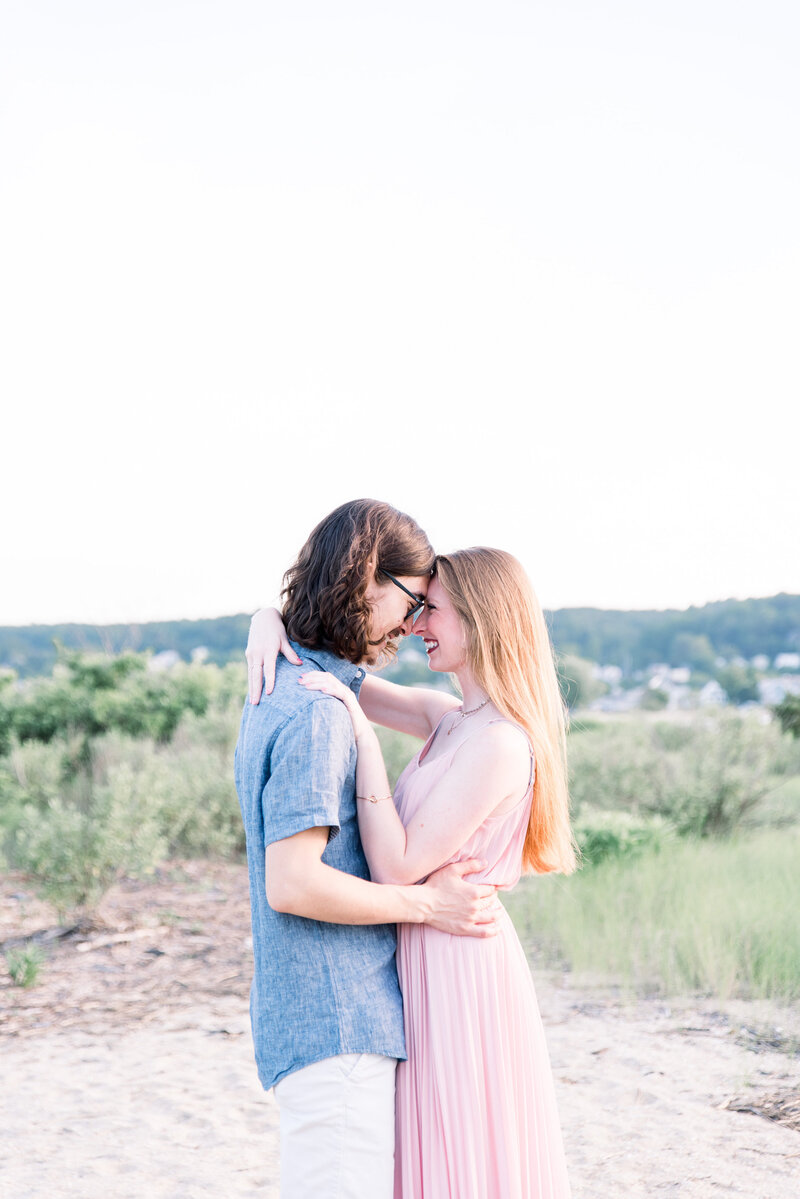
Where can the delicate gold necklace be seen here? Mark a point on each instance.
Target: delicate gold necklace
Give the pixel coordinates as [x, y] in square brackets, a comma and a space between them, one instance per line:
[461, 716]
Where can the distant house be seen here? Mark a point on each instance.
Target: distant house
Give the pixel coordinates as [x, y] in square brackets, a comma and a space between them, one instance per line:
[774, 691]
[679, 694]
[618, 701]
[712, 695]
[163, 661]
[658, 676]
[607, 674]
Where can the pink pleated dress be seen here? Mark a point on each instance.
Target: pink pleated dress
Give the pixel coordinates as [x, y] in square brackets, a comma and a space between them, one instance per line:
[476, 1109]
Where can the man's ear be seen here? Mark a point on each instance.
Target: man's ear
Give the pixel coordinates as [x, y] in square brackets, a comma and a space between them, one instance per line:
[371, 566]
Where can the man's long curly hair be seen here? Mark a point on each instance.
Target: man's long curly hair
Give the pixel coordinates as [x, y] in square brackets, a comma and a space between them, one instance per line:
[324, 592]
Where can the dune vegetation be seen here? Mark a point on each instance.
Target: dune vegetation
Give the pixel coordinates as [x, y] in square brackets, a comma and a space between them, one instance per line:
[689, 832]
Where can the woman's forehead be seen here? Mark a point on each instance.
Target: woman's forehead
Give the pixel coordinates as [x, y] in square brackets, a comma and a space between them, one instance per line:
[436, 592]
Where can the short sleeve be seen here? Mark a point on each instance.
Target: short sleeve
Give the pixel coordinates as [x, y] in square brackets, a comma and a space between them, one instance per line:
[309, 766]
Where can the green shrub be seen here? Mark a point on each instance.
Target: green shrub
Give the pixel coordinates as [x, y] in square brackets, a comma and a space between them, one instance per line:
[24, 965]
[602, 834]
[190, 789]
[577, 682]
[6, 708]
[782, 805]
[112, 767]
[34, 770]
[140, 801]
[704, 777]
[81, 843]
[92, 694]
[30, 779]
[788, 713]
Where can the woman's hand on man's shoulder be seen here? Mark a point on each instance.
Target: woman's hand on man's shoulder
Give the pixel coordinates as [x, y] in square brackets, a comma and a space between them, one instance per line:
[267, 640]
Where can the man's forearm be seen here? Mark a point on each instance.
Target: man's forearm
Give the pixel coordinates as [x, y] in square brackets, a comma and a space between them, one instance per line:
[323, 893]
[299, 883]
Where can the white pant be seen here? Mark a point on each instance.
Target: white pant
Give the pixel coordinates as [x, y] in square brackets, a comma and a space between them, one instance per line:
[337, 1128]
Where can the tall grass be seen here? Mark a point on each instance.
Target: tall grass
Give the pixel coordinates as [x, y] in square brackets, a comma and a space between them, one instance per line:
[715, 917]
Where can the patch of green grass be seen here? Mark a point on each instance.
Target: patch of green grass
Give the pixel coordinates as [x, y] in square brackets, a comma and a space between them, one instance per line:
[714, 917]
[24, 965]
[168, 917]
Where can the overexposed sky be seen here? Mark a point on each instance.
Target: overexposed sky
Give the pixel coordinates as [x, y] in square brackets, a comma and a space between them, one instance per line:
[528, 271]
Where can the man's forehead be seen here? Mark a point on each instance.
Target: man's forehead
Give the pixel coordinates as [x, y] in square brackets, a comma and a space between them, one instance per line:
[418, 584]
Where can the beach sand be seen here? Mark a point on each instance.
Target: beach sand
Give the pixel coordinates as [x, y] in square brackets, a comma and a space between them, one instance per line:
[127, 1071]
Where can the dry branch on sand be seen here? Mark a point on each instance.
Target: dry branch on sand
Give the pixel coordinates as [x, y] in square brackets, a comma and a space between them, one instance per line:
[781, 1106]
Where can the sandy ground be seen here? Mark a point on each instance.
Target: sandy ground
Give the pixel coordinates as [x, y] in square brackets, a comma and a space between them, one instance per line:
[127, 1071]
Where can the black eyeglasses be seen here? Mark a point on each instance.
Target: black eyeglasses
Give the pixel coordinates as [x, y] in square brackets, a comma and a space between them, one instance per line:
[419, 604]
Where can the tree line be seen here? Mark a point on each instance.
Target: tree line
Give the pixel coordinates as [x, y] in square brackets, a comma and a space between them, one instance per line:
[632, 640]
[693, 637]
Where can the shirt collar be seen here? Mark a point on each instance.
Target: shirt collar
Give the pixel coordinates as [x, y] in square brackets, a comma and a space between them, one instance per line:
[346, 672]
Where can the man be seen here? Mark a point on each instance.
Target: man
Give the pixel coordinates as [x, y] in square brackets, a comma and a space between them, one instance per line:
[325, 1003]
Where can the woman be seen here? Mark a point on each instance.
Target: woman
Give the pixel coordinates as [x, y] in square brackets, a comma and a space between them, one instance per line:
[476, 1113]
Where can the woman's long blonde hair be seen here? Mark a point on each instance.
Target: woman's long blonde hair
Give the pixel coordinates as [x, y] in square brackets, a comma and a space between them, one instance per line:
[511, 659]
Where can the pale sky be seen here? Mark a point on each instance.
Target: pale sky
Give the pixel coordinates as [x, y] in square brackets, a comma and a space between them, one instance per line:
[528, 271]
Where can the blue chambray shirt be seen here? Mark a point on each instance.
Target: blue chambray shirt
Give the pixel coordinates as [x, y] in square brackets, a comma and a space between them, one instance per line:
[318, 989]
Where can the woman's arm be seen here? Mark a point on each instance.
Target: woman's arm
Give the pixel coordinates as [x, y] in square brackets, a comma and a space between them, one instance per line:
[414, 710]
[487, 770]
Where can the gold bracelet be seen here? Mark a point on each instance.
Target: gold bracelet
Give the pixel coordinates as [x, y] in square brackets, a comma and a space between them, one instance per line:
[374, 798]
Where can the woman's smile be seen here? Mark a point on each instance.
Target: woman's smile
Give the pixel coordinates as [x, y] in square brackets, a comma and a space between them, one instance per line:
[440, 629]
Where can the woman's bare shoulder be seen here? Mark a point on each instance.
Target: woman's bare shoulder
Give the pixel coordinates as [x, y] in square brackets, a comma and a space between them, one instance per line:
[498, 741]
